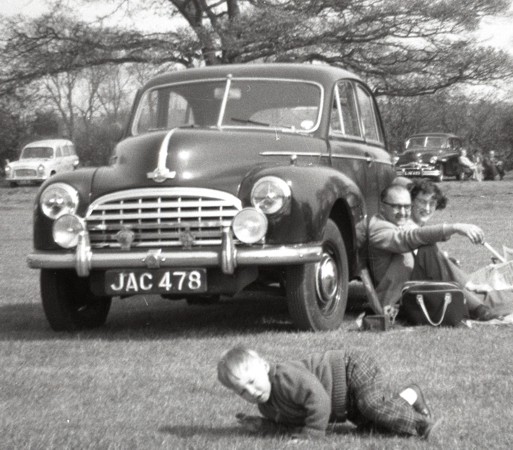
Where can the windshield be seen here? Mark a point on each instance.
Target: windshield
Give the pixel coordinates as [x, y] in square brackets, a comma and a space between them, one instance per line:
[37, 152]
[284, 104]
[427, 142]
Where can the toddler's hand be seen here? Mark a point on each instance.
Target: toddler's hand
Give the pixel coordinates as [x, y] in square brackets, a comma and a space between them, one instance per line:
[250, 423]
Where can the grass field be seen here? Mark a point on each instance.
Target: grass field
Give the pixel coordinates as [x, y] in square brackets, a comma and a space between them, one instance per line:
[147, 379]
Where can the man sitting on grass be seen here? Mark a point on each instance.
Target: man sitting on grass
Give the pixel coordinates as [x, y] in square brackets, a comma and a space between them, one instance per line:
[305, 395]
[401, 251]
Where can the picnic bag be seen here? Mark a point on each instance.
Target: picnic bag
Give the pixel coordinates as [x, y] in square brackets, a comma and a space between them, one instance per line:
[436, 303]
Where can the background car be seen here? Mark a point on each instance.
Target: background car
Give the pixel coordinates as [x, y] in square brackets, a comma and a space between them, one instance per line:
[40, 160]
[228, 178]
[431, 155]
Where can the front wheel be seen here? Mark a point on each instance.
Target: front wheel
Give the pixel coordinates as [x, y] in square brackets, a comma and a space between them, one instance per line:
[68, 302]
[317, 293]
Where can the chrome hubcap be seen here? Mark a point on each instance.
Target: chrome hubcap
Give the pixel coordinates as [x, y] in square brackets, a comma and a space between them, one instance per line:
[327, 282]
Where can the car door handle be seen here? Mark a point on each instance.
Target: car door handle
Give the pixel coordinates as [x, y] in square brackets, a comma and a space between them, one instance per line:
[369, 158]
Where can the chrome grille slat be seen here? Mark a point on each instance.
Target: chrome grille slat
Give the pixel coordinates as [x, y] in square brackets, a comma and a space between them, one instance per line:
[173, 218]
[160, 215]
[161, 205]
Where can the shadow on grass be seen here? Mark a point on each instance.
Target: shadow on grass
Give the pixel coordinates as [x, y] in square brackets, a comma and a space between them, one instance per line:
[188, 431]
[151, 317]
[154, 318]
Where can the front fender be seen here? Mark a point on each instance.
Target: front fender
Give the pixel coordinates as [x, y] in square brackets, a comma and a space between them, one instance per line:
[315, 192]
[81, 180]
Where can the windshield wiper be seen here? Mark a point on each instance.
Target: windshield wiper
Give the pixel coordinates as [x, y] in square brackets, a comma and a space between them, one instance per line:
[253, 122]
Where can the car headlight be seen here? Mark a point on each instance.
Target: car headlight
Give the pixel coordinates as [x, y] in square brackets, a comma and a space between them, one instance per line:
[270, 194]
[249, 225]
[58, 199]
[67, 229]
[433, 160]
[7, 170]
[41, 169]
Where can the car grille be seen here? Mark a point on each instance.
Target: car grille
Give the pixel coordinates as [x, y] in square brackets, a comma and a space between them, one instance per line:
[166, 217]
[24, 173]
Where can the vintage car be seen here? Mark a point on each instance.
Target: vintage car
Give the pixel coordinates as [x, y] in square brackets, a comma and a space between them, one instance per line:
[430, 155]
[227, 178]
[40, 160]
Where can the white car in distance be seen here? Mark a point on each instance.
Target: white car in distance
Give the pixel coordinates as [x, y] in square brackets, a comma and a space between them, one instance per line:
[40, 160]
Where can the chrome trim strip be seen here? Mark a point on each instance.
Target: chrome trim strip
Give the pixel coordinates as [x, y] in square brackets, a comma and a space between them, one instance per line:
[243, 256]
[362, 158]
[293, 154]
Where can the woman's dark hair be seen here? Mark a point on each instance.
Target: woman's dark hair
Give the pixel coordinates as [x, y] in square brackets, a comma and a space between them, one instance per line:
[425, 186]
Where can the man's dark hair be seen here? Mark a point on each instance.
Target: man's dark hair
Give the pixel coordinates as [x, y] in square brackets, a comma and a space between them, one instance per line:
[425, 186]
[393, 187]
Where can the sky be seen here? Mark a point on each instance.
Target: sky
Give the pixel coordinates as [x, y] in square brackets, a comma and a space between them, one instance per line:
[495, 31]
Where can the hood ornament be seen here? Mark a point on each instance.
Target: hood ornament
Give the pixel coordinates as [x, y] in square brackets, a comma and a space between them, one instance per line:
[160, 175]
[161, 172]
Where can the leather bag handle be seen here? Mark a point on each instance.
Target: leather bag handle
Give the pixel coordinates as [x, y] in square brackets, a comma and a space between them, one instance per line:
[447, 301]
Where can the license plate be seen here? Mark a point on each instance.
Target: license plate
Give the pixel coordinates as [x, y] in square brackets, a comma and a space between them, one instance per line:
[412, 172]
[160, 281]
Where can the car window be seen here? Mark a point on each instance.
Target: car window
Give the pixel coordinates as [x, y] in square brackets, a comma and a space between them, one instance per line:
[370, 123]
[436, 142]
[72, 151]
[415, 142]
[344, 116]
[455, 143]
[58, 152]
[37, 152]
[247, 103]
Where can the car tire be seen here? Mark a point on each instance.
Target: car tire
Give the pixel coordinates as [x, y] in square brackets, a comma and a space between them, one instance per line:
[13, 184]
[203, 300]
[317, 292]
[68, 302]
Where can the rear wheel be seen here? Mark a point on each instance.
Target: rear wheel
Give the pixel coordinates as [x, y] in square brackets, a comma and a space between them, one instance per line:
[68, 302]
[317, 293]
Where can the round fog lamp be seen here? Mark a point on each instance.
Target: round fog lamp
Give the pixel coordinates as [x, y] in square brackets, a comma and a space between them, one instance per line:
[249, 225]
[66, 230]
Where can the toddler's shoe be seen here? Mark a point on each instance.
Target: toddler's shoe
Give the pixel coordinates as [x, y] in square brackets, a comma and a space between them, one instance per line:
[420, 404]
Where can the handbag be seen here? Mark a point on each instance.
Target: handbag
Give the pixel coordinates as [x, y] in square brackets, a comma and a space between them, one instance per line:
[435, 303]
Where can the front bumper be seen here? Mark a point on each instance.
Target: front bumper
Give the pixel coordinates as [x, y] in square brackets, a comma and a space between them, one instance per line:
[418, 171]
[227, 257]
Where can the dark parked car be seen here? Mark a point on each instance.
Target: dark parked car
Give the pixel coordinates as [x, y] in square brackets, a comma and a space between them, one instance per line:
[430, 155]
[227, 178]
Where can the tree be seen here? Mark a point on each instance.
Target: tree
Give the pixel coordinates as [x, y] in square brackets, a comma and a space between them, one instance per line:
[401, 47]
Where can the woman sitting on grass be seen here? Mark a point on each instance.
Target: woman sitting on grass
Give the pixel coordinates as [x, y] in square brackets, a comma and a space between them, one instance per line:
[427, 198]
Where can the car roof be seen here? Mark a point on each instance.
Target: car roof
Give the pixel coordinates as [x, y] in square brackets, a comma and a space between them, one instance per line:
[322, 73]
[49, 143]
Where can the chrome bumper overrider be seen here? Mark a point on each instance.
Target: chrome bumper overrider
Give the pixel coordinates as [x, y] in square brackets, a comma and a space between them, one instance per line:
[228, 257]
